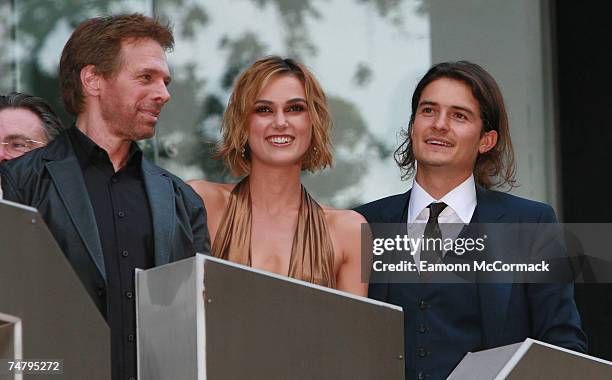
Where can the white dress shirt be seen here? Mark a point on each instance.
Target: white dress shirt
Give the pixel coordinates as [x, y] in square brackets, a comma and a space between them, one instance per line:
[461, 203]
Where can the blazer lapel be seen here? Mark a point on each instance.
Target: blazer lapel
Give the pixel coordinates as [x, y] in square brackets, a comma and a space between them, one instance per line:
[67, 178]
[397, 212]
[488, 208]
[494, 298]
[161, 201]
[394, 211]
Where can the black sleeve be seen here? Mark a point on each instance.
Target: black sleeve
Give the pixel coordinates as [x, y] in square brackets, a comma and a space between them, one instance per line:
[198, 221]
[9, 189]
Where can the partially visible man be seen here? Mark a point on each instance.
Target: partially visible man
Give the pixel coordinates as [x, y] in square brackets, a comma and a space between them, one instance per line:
[26, 122]
[459, 144]
[109, 208]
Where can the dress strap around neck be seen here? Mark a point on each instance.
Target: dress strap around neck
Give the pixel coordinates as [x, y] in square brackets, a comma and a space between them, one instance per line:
[312, 252]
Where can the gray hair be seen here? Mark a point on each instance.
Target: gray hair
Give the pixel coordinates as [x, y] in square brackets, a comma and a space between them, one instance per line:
[51, 123]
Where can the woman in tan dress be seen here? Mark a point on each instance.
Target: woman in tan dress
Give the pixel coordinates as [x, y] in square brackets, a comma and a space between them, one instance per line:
[277, 124]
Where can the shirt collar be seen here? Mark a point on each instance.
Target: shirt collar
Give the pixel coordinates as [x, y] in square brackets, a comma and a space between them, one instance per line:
[84, 148]
[462, 200]
[88, 151]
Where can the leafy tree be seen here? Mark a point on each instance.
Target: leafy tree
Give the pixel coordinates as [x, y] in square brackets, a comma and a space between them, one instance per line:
[188, 129]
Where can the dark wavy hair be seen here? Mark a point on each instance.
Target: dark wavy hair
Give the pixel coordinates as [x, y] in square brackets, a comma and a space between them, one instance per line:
[51, 123]
[495, 168]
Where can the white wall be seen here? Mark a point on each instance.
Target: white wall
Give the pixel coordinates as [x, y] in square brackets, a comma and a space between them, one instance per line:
[510, 39]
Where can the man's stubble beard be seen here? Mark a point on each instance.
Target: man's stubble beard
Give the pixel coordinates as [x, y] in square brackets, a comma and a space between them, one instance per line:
[122, 125]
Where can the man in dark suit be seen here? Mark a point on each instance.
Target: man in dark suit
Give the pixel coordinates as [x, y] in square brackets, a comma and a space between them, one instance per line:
[109, 208]
[458, 145]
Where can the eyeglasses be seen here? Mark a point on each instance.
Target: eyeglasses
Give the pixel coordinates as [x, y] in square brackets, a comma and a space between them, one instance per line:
[15, 146]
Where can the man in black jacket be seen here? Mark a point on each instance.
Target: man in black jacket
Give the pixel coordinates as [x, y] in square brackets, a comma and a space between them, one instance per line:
[110, 209]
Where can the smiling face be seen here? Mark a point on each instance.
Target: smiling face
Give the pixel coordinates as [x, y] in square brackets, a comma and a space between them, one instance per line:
[447, 130]
[132, 98]
[279, 125]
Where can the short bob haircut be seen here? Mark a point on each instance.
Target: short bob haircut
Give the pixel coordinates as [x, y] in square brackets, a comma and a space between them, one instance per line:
[97, 42]
[495, 168]
[233, 147]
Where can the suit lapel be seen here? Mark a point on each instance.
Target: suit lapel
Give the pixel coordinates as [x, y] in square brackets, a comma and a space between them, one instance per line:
[66, 176]
[488, 208]
[395, 211]
[494, 298]
[161, 201]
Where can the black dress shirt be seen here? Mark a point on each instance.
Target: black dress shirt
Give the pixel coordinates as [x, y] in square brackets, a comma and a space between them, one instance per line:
[123, 216]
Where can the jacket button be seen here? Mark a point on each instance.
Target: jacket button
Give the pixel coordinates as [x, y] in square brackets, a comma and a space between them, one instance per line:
[422, 305]
[100, 292]
[121, 214]
[421, 376]
[129, 294]
[422, 329]
[130, 337]
[422, 352]
[125, 253]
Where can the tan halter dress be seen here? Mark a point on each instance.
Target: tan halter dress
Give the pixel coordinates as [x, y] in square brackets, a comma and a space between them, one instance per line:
[312, 252]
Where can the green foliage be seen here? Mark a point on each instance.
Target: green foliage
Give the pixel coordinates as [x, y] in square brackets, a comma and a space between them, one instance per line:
[189, 128]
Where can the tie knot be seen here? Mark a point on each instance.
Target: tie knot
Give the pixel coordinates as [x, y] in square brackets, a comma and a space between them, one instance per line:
[435, 209]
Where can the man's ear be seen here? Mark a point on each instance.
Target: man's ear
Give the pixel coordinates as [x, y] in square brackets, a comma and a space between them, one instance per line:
[90, 81]
[487, 141]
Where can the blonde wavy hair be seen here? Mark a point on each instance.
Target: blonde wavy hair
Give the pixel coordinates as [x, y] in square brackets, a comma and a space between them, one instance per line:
[233, 147]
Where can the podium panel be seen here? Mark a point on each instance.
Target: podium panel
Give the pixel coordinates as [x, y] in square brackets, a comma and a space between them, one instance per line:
[38, 286]
[205, 318]
[531, 360]
[545, 361]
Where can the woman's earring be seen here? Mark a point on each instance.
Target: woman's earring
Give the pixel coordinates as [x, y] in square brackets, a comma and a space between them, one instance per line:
[242, 152]
[313, 155]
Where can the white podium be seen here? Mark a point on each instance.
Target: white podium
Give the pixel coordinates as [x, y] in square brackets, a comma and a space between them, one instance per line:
[50, 314]
[531, 360]
[205, 318]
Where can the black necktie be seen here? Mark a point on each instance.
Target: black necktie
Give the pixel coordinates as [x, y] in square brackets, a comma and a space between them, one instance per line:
[432, 249]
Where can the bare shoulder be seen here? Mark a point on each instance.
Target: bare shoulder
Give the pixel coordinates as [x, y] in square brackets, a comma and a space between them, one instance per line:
[208, 188]
[213, 194]
[344, 222]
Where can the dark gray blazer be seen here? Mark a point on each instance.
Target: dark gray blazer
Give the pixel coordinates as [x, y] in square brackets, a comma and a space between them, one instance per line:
[50, 179]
